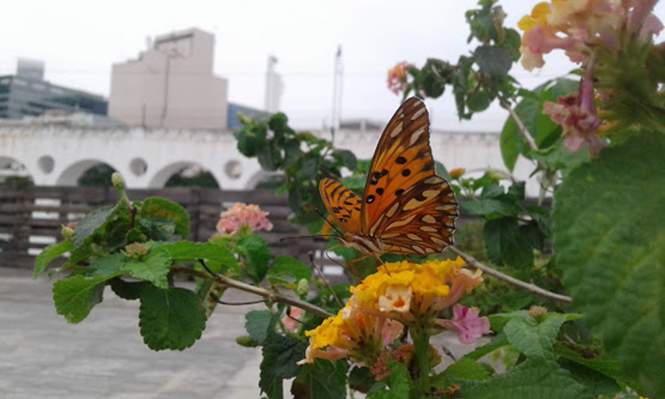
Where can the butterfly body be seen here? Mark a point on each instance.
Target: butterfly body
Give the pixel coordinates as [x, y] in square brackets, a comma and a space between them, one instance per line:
[406, 208]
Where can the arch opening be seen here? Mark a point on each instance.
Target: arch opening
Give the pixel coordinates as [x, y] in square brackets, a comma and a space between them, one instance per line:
[87, 173]
[184, 174]
[14, 173]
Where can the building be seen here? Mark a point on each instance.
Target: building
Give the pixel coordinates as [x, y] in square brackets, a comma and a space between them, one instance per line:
[171, 85]
[28, 94]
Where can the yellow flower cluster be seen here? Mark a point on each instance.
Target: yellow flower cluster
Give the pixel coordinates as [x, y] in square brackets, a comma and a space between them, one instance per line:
[409, 291]
[398, 294]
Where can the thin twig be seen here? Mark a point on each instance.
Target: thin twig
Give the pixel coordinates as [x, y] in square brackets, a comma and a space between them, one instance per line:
[308, 325]
[216, 299]
[532, 288]
[325, 280]
[262, 292]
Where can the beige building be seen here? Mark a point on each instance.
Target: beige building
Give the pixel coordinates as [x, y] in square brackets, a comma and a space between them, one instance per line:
[171, 85]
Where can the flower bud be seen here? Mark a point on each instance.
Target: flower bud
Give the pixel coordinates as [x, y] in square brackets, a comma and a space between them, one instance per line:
[136, 250]
[457, 173]
[67, 232]
[246, 341]
[303, 287]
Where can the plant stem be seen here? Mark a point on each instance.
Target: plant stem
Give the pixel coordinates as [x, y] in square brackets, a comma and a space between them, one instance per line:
[262, 292]
[532, 288]
[421, 345]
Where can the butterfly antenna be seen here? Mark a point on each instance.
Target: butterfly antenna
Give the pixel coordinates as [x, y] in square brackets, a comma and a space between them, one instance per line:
[348, 269]
[312, 236]
[328, 221]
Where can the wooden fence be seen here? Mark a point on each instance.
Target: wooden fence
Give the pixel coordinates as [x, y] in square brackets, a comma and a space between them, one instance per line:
[31, 218]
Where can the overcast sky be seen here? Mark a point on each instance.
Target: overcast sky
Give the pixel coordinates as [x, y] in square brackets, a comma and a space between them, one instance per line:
[80, 40]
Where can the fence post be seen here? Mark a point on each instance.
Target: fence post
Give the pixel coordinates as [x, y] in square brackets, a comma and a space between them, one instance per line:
[21, 229]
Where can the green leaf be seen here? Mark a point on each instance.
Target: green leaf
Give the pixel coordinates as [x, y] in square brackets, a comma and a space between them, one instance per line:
[250, 138]
[479, 100]
[291, 268]
[596, 383]
[162, 208]
[347, 158]
[609, 235]
[531, 379]
[361, 379]
[463, 369]
[399, 383]
[506, 244]
[129, 290]
[49, 254]
[494, 60]
[324, 379]
[257, 252]
[491, 208]
[106, 266]
[540, 126]
[170, 319]
[280, 354]
[602, 363]
[498, 341]
[154, 267]
[157, 229]
[194, 250]
[257, 323]
[534, 340]
[75, 296]
[89, 224]
[269, 157]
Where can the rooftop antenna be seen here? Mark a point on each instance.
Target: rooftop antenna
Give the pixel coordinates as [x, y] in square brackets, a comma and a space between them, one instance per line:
[337, 94]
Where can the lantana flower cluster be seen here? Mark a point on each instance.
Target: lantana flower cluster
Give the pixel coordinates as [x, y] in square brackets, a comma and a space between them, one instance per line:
[399, 294]
[585, 30]
[397, 77]
[579, 27]
[243, 217]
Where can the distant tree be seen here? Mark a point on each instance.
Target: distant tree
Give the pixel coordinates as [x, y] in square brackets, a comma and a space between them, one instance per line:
[97, 176]
[203, 179]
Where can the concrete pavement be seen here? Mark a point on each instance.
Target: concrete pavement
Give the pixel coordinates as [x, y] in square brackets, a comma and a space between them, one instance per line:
[41, 356]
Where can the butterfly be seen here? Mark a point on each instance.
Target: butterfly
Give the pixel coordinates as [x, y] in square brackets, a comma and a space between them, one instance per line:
[406, 208]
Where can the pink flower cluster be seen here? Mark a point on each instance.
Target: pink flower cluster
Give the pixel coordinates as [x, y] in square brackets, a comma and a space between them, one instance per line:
[397, 77]
[576, 113]
[243, 215]
[580, 26]
[467, 324]
[584, 29]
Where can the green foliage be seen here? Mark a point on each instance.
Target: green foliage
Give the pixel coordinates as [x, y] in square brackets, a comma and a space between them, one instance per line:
[257, 252]
[170, 318]
[324, 379]
[610, 240]
[288, 272]
[544, 132]
[531, 379]
[155, 207]
[399, 383]
[49, 254]
[303, 158]
[153, 268]
[76, 295]
[257, 325]
[280, 354]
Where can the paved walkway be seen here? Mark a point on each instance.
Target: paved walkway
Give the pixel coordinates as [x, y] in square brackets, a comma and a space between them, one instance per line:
[41, 356]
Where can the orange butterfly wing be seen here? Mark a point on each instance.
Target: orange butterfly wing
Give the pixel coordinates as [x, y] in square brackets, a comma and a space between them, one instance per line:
[406, 205]
[343, 205]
